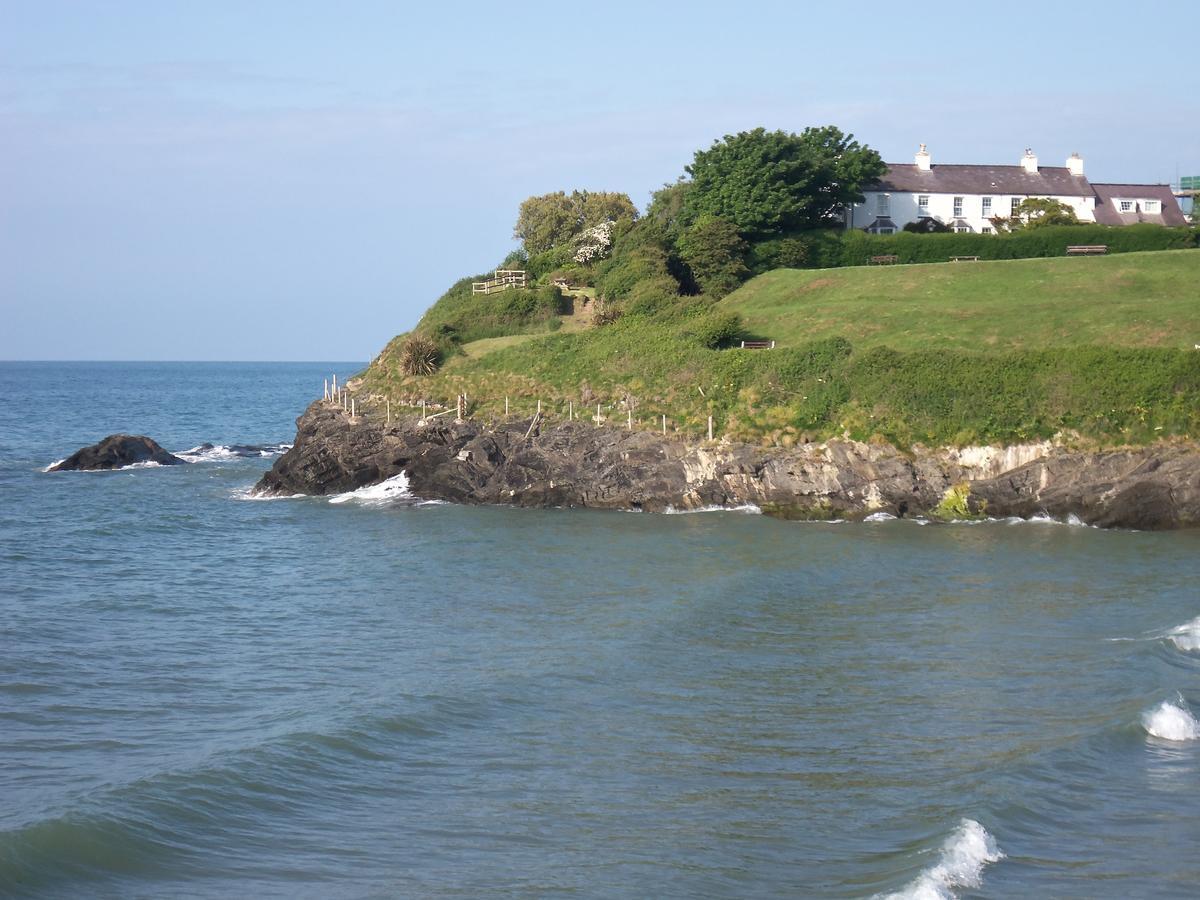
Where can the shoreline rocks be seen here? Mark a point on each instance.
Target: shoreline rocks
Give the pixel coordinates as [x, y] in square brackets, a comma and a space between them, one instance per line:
[574, 464]
[116, 452]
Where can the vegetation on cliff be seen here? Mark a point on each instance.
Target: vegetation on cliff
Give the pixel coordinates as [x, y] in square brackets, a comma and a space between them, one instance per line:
[644, 314]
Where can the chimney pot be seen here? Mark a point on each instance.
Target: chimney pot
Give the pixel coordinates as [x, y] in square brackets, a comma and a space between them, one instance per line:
[1075, 164]
[923, 159]
[1029, 162]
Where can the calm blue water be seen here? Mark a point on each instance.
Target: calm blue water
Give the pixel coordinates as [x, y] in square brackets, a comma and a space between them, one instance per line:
[208, 696]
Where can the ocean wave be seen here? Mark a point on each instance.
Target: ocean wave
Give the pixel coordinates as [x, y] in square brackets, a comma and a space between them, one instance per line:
[249, 493]
[964, 856]
[148, 464]
[220, 452]
[138, 827]
[387, 491]
[746, 508]
[1187, 636]
[1171, 722]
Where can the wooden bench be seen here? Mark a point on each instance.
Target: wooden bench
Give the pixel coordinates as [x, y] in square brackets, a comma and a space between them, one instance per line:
[758, 345]
[1087, 249]
[964, 259]
[884, 260]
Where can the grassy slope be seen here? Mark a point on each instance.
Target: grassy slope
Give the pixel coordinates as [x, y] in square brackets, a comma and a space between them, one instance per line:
[1126, 300]
[940, 353]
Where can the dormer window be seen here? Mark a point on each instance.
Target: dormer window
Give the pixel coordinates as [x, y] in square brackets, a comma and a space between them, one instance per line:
[1151, 206]
[1126, 205]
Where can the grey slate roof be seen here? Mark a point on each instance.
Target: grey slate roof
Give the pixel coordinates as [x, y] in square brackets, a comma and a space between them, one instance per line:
[1054, 181]
[1108, 212]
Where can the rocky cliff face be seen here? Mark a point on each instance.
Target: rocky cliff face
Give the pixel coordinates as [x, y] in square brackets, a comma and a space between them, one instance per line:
[526, 463]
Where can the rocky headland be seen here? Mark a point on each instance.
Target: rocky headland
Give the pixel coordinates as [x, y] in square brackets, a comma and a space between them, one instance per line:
[576, 464]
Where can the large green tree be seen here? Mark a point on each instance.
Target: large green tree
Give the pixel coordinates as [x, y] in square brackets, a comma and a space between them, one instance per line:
[765, 182]
[552, 220]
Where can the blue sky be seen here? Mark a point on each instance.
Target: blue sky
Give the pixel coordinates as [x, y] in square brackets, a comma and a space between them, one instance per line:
[298, 180]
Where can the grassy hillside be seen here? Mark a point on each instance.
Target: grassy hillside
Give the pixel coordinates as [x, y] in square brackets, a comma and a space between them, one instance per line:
[1128, 300]
[934, 353]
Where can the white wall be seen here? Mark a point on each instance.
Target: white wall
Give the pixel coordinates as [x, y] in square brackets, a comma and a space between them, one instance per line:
[903, 208]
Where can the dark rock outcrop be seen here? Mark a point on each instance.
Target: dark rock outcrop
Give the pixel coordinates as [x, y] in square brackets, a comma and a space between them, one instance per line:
[116, 452]
[526, 463]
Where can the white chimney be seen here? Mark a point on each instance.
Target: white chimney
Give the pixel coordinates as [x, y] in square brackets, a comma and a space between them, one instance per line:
[923, 159]
[1029, 162]
[1075, 164]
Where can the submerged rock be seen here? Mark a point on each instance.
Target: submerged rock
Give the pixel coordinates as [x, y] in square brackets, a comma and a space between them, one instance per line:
[525, 463]
[116, 452]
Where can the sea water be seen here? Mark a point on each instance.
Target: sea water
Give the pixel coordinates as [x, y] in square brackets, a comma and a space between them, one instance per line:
[207, 695]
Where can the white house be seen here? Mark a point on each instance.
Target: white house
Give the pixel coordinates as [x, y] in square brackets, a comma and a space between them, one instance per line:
[966, 198]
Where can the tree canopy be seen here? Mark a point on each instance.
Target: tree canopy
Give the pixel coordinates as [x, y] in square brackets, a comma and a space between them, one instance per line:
[766, 182]
[551, 220]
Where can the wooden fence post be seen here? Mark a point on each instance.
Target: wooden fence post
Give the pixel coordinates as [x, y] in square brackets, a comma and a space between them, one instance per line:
[571, 410]
[539, 409]
[710, 428]
[325, 395]
[506, 405]
[353, 408]
[664, 426]
[389, 410]
[630, 425]
[461, 397]
[597, 413]
[422, 410]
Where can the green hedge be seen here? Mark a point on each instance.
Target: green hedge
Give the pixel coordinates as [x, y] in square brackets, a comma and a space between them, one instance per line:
[831, 249]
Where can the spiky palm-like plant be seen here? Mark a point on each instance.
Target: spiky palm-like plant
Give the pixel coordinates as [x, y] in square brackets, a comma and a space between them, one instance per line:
[419, 355]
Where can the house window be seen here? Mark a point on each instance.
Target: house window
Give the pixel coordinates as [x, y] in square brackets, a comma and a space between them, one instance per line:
[987, 207]
[1126, 206]
[1150, 206]
[961, 229]
[881, 205]
[958, 207]
[886, 231]
[923, 204]
[986, 229]
[1016, 201]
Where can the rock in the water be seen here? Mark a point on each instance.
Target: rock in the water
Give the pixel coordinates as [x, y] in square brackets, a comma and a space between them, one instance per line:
[116, 452]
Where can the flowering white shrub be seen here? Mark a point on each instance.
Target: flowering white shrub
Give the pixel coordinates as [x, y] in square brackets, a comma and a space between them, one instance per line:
[595, 243]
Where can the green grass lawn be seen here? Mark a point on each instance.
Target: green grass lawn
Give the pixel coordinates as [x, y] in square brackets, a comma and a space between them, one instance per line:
[1101, 347]
[1125, 300]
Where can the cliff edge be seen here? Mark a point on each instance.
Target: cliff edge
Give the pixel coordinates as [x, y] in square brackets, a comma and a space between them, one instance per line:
[569, 464]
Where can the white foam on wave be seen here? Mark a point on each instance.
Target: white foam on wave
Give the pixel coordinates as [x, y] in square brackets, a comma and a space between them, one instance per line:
[880, 516]
[249, 493]
[55, 463]
[960, 865]
[746, 508]
[1187, 636]
[221, 452]
[1171, 722]
[387, 491]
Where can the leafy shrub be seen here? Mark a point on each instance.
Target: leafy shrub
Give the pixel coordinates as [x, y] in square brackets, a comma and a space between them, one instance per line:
[716, 255]
[717, 330]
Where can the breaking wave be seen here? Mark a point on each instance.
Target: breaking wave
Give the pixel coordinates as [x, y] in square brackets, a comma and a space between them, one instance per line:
[1186, 637]
[746, 508]
[960, 865]
[388, 491]
[217, 452]
[1171, 722]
